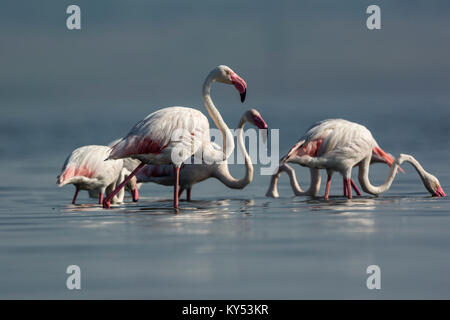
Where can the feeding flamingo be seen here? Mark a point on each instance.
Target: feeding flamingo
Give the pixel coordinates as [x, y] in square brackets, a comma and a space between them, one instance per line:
[160, 138]
[430, 182]
[315, 180]
[336, 145]
[191, 173]
[87, 169]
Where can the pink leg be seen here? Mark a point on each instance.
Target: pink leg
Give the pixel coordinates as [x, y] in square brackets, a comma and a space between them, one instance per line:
[107, 201]
[349, 188]
[180, 192]
[327, 188]
[75, 196]
[355, 187]
[100, 198]
[188, 194]
[135, 194]
[175, 187]
[345, 187]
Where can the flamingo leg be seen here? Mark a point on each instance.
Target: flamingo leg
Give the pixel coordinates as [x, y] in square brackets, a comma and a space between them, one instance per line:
[349, 188]
[180, 192]
[100, 198]
[75, 196]
[327, 188]
[135, 194]
[345, 187]
[355, 187]
[107, 201]
[188, 194]
[175, 187]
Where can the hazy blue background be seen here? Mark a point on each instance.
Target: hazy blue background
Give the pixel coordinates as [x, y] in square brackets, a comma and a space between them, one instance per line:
[303, 61]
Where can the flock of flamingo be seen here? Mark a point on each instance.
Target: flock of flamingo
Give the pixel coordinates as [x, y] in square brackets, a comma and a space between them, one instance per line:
[146, 154]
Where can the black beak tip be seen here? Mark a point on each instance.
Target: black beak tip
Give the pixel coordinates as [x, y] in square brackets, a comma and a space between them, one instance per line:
[243, 96]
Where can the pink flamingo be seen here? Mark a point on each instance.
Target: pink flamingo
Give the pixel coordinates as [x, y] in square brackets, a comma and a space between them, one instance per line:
[87, 169]
[160, 138]
[334, 145]
[191, 173]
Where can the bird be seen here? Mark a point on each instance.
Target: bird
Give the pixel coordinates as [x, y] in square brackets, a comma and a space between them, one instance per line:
[87, 169]
[337, 145]
[192, 173]
[315, 180]
[172, 135]
[430, 182]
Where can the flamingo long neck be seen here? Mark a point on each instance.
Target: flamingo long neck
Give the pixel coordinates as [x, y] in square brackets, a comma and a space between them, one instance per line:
[363, 177]
[228, 141]
[224, 174]
[420, 170]
[313, 187]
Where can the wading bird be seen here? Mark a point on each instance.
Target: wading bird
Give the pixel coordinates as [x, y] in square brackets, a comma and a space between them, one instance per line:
[192, 173]
[335, 145]
[161, 137]
[87, 169]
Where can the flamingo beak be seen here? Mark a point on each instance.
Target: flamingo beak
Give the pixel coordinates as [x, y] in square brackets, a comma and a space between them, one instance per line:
[239, 84]
[439, 192]
[135, 194]
[243, 95]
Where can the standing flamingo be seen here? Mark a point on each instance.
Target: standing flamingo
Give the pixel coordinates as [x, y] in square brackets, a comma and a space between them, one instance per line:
[87, 169]
[337, 145]
[161, 137]
[430, 182]
[191, 173]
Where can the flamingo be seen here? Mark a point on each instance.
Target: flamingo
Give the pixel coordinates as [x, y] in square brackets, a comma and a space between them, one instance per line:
[315, 180]
[430, 182]
[191, 173]
[87, 169]
[336, 145]
[161, 137]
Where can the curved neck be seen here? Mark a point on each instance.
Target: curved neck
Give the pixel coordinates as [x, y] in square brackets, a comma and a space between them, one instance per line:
[224, 174]
[363, 177]
[228, 141]
[420, 170]
[314, 186]
[313, 189]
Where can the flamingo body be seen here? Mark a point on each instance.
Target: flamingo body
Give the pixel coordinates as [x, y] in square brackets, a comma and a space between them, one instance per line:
[87, 169]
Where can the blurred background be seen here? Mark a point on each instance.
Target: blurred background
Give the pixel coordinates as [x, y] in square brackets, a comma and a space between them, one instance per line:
[303, 61]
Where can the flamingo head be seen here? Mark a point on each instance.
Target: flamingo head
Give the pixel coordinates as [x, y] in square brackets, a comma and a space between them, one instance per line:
[224, 74]
[430, 182]
[433, 186]
[133, 188]
[255, 118]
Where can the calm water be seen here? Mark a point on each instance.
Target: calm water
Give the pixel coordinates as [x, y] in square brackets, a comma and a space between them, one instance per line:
[226, 243]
